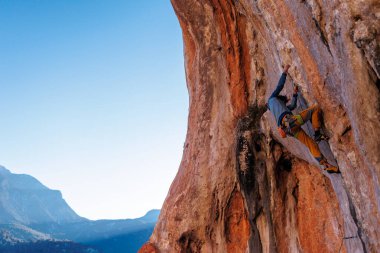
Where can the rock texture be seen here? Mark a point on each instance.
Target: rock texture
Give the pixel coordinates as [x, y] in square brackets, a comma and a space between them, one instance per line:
[240, 187]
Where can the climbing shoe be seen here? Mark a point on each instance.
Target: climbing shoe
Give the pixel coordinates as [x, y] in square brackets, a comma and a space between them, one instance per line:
[328, 167]
[318, 136]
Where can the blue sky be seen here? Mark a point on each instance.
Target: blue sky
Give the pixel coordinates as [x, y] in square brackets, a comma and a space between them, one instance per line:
[93, 100]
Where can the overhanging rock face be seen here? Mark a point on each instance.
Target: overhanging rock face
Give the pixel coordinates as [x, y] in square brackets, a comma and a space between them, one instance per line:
[240, 187]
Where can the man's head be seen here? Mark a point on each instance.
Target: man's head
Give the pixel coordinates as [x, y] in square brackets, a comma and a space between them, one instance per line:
[283, 98]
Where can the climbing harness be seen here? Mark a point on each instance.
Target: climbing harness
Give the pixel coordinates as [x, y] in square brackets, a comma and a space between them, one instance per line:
[290, 125]
[286, 126]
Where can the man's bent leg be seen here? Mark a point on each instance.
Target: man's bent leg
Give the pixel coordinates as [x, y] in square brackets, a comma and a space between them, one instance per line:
[314, 114]
[310, 144]
[314, 150]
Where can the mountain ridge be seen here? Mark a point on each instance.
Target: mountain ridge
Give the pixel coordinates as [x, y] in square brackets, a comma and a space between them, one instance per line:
[32, 215]
[25, 200]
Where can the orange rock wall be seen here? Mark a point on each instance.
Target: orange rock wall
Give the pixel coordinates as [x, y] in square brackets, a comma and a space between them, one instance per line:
[240, 187]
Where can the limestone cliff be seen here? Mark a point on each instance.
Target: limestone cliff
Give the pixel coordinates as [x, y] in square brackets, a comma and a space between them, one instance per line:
[240, 187]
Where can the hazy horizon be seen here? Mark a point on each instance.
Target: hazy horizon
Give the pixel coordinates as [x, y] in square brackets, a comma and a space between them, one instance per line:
[93, 101]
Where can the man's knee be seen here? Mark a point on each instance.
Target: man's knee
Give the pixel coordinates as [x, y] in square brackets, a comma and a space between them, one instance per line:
[317, 109]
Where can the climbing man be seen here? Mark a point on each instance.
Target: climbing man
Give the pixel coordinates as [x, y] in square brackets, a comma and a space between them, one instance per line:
[290, 125]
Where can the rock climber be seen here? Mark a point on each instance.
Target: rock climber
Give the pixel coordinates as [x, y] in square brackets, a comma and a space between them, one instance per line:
[290, 125]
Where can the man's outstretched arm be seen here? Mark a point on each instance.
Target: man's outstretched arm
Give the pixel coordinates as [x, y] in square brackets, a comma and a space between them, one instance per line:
[281, 82]
[293, 104]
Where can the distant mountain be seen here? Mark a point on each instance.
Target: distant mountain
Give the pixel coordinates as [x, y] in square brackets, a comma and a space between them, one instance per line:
[151, 216]
[110, 236]
[11, 234]
[126, 243]
[87, 230]
[114, 236]
[24, 200]
[34, 216]
[16, 238]
[130, 240]
[48, 247]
